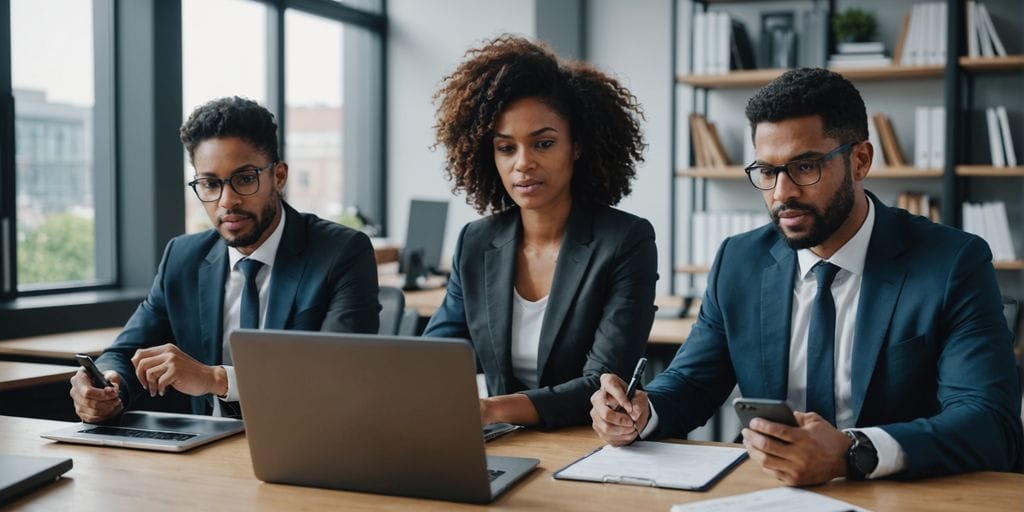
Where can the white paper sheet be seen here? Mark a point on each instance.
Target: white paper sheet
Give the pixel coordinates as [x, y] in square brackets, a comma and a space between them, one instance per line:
[781, 499]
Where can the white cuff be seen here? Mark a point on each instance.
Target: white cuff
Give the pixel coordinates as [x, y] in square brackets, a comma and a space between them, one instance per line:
[891, 458]
[232, 394]
[652, 423]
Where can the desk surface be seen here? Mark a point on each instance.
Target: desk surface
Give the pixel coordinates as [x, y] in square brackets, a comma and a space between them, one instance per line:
[15, 375]
[113, 479]
[61, 346]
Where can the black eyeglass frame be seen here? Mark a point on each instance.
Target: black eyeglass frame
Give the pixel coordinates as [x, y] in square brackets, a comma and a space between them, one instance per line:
[231, 181]
[817, 162]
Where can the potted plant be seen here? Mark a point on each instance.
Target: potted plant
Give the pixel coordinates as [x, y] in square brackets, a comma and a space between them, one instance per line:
[854, 25]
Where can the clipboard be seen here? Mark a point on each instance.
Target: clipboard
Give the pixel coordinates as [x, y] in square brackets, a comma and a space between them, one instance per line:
[686, 467]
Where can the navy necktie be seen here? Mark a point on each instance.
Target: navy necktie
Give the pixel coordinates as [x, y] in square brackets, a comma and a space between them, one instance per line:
[249, 317]
[821, 346]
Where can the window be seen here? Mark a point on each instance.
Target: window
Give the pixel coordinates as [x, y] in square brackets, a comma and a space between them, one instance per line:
[63, 143]
[220, 59]
[331, 54]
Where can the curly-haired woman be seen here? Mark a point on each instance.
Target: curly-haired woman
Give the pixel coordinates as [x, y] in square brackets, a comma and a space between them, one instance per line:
[555, 287]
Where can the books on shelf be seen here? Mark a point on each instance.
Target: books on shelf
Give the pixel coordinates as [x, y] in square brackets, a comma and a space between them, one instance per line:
[982, 38]
[923, 42]
[890, 145]
[1000, 141]
[878, 161]
[930, 137]
[707, 147]
[711, 228]
[720, 43]
[919, 204]
[989, 221]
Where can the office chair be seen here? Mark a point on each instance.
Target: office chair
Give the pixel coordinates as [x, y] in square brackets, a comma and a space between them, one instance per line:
[409, 326]
[392, 302]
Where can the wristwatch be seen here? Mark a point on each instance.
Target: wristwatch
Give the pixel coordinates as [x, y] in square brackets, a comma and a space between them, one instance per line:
[861, 458]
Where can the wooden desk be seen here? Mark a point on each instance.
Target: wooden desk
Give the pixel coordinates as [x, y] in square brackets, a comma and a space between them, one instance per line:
[220, 475]
[62, 347]
[17, 375]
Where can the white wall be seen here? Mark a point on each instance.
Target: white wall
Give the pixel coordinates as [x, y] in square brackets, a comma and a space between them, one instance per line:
[426, 41]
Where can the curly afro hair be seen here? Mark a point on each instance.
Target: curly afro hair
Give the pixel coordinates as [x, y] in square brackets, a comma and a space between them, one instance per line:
[231, 117]
[812, 92]
[603, 117]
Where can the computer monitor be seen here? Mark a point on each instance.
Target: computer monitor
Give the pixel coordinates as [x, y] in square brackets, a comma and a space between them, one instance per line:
[425, 233]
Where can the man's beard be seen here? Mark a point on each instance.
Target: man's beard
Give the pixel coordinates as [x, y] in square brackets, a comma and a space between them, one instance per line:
[825, 225]
[265, 220]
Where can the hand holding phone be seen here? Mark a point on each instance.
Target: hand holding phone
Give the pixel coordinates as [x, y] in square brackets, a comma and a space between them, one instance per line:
[95, 375]
[777, 411]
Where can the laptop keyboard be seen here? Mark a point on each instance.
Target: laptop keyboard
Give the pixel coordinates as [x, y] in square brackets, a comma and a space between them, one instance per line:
[494, 474]
[134, 432]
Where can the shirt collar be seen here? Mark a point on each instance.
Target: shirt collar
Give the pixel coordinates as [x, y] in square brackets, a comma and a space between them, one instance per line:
[267, 251]
[851, 256]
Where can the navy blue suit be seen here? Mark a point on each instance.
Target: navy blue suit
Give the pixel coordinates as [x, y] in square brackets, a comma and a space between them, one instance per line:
[932, 358]
[324, 279]
[598, 316]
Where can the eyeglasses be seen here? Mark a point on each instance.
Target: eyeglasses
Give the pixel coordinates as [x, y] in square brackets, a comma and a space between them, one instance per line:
[801, 172]
[245, 183]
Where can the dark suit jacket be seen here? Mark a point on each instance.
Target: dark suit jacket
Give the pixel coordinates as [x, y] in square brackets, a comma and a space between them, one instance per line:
[598, 316]
[324, 278]
[932, 358]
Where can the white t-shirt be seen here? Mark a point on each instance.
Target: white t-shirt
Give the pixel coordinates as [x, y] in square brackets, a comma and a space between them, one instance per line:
[527, 319]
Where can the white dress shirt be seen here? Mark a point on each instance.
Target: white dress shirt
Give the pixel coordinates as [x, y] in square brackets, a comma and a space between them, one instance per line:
[850, 258]
[265, 253]
[527, 319]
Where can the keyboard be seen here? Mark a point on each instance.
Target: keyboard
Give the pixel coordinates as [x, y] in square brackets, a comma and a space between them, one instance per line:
[494, 474]
[137, 433]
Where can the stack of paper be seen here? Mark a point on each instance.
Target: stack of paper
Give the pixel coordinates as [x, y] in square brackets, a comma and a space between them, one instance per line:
[780, 499]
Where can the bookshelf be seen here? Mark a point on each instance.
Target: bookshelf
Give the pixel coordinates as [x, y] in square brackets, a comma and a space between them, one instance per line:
[960, 85]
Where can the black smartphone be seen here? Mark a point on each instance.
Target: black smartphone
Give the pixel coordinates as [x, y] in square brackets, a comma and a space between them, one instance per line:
[95, 375]
[771, 410]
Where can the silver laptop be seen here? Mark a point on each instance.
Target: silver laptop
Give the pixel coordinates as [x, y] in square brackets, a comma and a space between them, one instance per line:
[20, 474]
[381, 414]
[148, 430]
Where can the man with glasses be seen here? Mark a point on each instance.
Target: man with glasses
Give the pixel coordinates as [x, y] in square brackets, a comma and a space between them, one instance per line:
[264, 265]
[885, 328]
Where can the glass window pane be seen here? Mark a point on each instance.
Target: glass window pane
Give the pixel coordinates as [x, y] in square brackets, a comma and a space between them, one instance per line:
[313, 134]
[54, 79]
[373, 6]
[220, 59]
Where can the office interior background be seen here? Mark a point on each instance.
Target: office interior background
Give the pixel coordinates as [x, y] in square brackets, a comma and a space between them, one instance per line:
[94, 91]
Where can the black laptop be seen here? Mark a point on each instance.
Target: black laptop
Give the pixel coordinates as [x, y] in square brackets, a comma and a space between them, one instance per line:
[20, 474]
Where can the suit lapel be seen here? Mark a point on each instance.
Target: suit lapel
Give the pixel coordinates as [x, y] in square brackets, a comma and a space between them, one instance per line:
[776, 317]
[212, 275]
[573, 259]
[879, 290]
[499, 281]
[287, 271]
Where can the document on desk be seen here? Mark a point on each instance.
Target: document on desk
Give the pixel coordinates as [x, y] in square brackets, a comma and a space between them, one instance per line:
[688, 467]
[780, 499]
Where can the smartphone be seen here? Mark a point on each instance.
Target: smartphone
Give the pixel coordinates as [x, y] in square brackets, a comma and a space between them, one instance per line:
[95, 375]
[771, 410]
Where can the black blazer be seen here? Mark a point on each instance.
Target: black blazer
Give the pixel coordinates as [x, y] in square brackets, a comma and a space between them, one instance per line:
[598, 316]
[324, 279]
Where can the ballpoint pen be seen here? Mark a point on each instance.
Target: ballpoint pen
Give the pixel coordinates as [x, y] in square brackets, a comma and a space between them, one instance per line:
[634, 383]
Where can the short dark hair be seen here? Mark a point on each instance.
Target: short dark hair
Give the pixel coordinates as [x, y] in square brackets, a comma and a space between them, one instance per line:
[812, 92]
[231, 117]
[603, 118]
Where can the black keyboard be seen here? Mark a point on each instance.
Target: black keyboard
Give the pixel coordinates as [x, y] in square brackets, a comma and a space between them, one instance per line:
[494, 474]
[134, 432]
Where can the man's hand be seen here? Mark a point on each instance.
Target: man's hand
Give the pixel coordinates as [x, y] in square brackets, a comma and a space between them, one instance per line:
[616, 420]
[93, 404]
[813, 453]
[167, 366]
